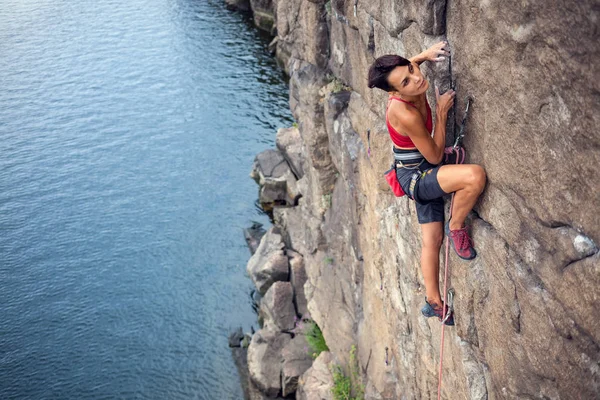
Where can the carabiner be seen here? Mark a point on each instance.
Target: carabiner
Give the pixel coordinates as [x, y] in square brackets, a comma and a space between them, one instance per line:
[449, 304]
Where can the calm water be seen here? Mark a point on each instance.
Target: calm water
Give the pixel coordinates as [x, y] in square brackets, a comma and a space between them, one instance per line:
[127, 132]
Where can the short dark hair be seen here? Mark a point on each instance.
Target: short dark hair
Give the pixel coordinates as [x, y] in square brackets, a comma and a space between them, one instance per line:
[381, 68]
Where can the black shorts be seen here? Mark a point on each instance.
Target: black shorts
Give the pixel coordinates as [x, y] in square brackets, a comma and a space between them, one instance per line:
[428, 193]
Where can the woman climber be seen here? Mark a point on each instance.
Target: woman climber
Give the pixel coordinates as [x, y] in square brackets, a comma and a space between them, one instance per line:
[409, 122]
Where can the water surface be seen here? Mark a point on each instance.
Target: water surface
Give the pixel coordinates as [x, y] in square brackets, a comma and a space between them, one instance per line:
[127, 132]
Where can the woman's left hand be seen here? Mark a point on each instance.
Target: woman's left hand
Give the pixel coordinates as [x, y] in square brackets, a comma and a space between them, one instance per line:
[435, 52]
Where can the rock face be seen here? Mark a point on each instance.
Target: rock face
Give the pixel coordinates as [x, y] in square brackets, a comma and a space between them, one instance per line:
[527, 319]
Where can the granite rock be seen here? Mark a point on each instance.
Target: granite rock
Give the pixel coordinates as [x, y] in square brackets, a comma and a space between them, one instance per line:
[317, 381]
[289, 143]
[277, 307]
[265, 360]
[269, 263]
[275, 178]
[296, 360]
[298, 279]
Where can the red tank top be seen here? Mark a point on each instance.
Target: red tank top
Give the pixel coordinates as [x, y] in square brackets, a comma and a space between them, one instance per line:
[402, 140]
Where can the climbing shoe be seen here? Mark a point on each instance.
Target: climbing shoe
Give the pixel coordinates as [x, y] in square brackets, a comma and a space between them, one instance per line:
[461, 242]
[428, 311]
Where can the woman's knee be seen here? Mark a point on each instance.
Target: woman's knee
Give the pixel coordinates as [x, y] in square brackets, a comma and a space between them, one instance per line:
[476, 177]
[433, 239]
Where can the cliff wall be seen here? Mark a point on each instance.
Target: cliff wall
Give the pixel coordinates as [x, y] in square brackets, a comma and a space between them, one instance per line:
[527, 319]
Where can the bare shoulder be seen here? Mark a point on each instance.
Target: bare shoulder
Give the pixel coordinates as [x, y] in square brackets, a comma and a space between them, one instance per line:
[404, 115]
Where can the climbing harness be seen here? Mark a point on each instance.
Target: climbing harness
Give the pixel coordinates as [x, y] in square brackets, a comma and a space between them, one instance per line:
[392, 179]
[408, 156]
[448, 301]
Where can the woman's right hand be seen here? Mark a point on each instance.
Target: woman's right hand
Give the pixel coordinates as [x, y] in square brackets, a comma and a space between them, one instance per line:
[444, 101]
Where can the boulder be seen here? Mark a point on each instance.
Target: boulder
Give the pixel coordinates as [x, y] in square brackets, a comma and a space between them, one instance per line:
[298, 279]
[269, 264]
[240, 358]
[296, 360]
[278, 184]
[265, 360]
[316, 383]
[269, 163]
[277, 307]
[289, 143]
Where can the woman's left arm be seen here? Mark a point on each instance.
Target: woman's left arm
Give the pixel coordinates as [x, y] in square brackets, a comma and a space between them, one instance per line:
[434, 53]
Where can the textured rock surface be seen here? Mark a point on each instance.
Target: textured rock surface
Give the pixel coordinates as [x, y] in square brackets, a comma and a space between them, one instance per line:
[276, 179]
[277, 307]
[289, 142]
[296, 360]
[316, 382]
[269, 263]
[298, 279]
[238, 341]
[302, 32]
[251, 391]
[265, 360]
[527, 320]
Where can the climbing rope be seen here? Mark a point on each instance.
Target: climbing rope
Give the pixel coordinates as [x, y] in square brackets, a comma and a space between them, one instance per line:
[448, 300]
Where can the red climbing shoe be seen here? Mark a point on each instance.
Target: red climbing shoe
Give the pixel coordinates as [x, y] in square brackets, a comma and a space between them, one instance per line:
[461, 241]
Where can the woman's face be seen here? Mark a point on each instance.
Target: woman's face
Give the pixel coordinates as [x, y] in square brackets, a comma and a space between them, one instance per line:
[408, 80]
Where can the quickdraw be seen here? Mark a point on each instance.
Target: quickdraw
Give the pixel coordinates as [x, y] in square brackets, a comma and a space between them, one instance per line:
[461, 132]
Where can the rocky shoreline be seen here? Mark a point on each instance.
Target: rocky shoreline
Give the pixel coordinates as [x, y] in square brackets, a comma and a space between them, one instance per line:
[527, 322]
[277, 361]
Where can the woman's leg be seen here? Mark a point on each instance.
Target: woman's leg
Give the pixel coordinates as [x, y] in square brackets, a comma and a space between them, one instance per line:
[430, 261]
[467, 181]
